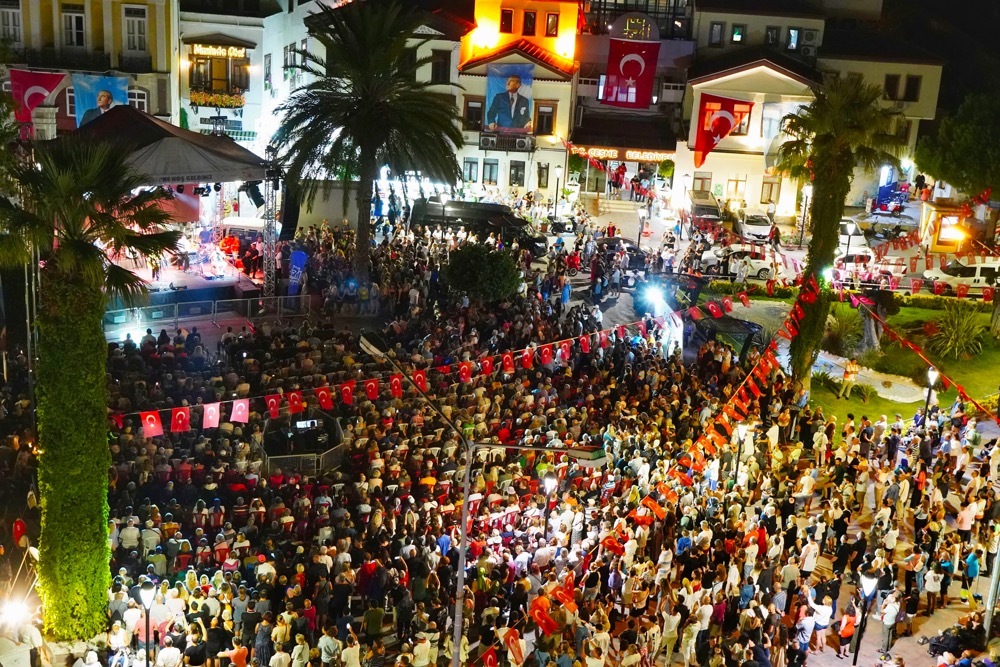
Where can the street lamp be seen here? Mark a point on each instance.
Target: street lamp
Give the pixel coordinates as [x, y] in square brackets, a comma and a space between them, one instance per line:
[559, 172]
[147, 593]
[551, 482]
[868, 583]
[932, 378]
[807, 193]
[850, 227]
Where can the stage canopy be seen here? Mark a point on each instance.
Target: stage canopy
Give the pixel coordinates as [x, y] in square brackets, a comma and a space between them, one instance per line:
[169, 154]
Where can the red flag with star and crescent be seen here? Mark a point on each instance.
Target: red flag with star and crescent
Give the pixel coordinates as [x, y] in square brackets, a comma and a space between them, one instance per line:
[396, 385]
[324, 398]
[465, 371]
[347, 392]
[295, 404]
[507, 359]
[585, 343]
[717, 117]
[151, 424]
[486, 366]
[631, 74]
[567, 349]
[371, 389]
[273, 405]
[210, 416]
[241, 411]
[420, 379]
[180, 420]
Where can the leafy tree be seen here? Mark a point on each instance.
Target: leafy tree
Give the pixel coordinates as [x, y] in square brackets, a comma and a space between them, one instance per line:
[965, 150]
[845, 127]
[79, 205]
[364, 108]
[485, 274]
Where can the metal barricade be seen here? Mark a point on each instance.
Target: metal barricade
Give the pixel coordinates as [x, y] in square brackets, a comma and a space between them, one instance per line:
[305, 464]
[195, 310]
[231, 308]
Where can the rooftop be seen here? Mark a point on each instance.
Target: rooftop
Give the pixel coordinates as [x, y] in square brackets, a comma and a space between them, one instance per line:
[755, 56]
[861, 45]
[529, 50]
[791, 8]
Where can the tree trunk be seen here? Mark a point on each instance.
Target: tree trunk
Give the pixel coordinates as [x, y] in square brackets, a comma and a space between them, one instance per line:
[366, 190]
[829, 192]
[995, 319]
[73, 466]
[870, 333]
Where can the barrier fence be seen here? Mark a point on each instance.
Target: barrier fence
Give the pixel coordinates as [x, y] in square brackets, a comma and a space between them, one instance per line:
[172, 314]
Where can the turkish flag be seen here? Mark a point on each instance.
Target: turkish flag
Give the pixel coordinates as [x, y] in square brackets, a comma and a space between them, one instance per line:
[151, 424]
[180, 420]
[210, 416]
[938, 287]
[486, 365]
[585, 343]
[539, 612]
[295, 402]
[642, 328]
[465, 371]
[714, 308]
[241, 411]
[546, 354]
[490, 658]
[526, 356]
[744, 299]
[324, 398]
[695, 313]
[660, 513]
[717, 117]
[273, 405]
[507, 360]
[371, 389]
[987, 294]
[567, 349]
[631, 73]
[727, 304]
[564, 594]
[512, 640]
[942, 261]
[602, 336]
[396, 385]
[443, 370]
[961, 291]
[641, 519]
[30, 89]
[770, 287]
[347, 392]
[915, 285]
[928, 263]
[621, 331]
[420, 379]
[610, 543]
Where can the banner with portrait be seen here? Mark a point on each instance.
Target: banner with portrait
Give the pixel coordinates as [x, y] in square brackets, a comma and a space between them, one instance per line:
[508, 92]
[93, 94]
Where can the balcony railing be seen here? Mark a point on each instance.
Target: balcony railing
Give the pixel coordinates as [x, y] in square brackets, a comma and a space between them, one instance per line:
[135, 64]
[73, 60]
[506, 142]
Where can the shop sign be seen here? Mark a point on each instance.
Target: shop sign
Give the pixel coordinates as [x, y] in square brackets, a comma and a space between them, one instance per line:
[596, 152]
[210, 51]
[630, 154]
[648, 156]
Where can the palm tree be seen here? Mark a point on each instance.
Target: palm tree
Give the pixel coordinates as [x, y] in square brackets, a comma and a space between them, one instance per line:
[364, 108]
[79, 203]
[845, 127]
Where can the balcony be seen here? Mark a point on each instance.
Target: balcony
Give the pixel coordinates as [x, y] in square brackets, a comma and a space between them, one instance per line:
[135, 64]
[506, 142]
[49, 58]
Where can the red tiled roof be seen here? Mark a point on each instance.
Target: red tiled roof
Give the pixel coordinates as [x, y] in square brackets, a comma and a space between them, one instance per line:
[531, 51]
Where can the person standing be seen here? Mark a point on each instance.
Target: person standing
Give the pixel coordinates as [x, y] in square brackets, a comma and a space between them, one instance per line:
[850, 378]
[889, 615]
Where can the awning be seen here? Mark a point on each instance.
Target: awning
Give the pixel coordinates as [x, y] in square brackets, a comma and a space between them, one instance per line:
[218, 39]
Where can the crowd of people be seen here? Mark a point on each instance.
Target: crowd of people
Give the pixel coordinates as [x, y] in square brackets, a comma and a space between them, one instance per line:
[753, 559]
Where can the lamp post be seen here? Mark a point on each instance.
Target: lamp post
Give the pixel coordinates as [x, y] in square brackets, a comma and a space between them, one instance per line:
[559, 172]
[147, 593]
[932, 378]
[850, 226]
[372, 344]
[868, 583]
[551, 483]
[807, 193]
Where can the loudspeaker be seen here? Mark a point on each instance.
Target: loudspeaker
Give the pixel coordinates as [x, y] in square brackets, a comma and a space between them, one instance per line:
[289, 213]
[253, 192]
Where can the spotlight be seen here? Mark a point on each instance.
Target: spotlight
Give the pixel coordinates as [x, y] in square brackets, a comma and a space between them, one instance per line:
[205, 191]
[218, 187]
[180, 188]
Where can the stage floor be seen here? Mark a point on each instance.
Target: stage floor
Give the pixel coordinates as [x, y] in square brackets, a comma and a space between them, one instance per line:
[176, 286]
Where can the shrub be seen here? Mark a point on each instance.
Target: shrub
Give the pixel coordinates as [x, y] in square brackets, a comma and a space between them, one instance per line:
[930, 328]
[843, 332]
[865, 391]
[960, 332]
[870, 358]
[824, 379]
[727, 287]
[933, 302]
[484, 274]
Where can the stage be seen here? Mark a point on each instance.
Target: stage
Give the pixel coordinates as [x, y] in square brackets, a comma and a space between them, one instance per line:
[200, 282]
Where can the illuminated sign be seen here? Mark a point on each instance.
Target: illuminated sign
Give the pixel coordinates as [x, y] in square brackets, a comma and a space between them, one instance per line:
[596, 152]
[648, 156]
[218, 51]
[631, 154]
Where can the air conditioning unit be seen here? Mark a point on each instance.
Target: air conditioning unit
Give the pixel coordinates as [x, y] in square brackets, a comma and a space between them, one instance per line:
[522, 144]
[487, 142]
[808, 51]
[810, 37]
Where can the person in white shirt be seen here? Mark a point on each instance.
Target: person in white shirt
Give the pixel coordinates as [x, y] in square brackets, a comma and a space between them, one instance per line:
[421, 652]
[169, 655]
[351, 655]
[809, 556]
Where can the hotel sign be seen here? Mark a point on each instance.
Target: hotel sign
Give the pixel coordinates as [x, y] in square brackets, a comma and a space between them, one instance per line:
[211, 51]
[630, 154]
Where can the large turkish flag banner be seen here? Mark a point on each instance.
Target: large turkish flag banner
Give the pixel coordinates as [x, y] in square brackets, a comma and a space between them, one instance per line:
[631, 73]
[717, 118]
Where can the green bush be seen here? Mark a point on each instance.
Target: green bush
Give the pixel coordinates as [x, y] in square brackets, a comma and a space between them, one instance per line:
[727, 287]
[960, 333]
[485, 274]
[824, 379]
[870, 358]
[865, 391]
[932, 302]
[843, 332]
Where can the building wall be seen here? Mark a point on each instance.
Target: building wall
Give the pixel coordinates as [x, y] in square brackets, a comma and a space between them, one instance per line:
[755, 31]
[487, 34]
[865, 10]
[282, 29]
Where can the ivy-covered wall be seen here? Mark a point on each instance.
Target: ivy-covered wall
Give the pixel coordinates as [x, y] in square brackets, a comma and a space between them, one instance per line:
[73, 464]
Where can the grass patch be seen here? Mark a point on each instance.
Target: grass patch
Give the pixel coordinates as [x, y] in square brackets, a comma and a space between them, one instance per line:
[874, 408]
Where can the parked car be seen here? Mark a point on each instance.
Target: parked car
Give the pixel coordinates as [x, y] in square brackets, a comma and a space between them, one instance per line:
[956, 273]
[752, 227]
[764, 263]
[857, 237]
[863, 260]
[609, 247]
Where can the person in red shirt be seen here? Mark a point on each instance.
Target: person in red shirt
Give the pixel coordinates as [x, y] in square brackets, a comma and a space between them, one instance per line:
[237, 655]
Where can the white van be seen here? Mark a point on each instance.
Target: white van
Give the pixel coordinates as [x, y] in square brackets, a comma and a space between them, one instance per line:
[955, 273]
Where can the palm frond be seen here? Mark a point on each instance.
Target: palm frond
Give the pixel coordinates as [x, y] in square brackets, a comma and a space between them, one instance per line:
[122, 284]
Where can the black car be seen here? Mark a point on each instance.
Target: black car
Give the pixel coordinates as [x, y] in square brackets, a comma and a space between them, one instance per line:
[661, 293]
[609, 247]
[480, 219]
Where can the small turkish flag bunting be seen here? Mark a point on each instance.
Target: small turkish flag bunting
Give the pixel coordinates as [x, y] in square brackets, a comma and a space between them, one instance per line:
[961, 291]
[567, 349]
[727, 304]
[486, 365]
[210, 416]
[347, 392]
[324, 397]
[241, 411]
[744, 299]
[295, 404]
[180, 420]
[602, 336]
[546, 354]
[507, 360]
[642, 328]
[714, 308]
[695, 313]
[396, 385]
[151, 424]
[585, 343]
[371, 389]
[465, 371]
[526, 357]
[987, 294]
[273, 405]
[420, 379]
[915, 285]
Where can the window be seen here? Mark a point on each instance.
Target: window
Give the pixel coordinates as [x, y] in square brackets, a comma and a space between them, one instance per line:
[220, 75]
[138, 99]
[491, 169]
[891, 86]
[772, 35]
[770, 190]
[743, 126]
[71, 103]
[528, 28]
[10, 21]
[516, 174]
[793, 39]
[470, 170]
[736, 187]
[507, 21]
[912, 91]
[543, 175]
[551, 25]
[855, 76]
[440, 66]
[135, 29]
[903, 130]
[303, 47]
[74, 30]
[473, 117]
[545, 118]
[288, 61]
[702, 181]
[715, 34]
[738, 33]
[267, 71]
